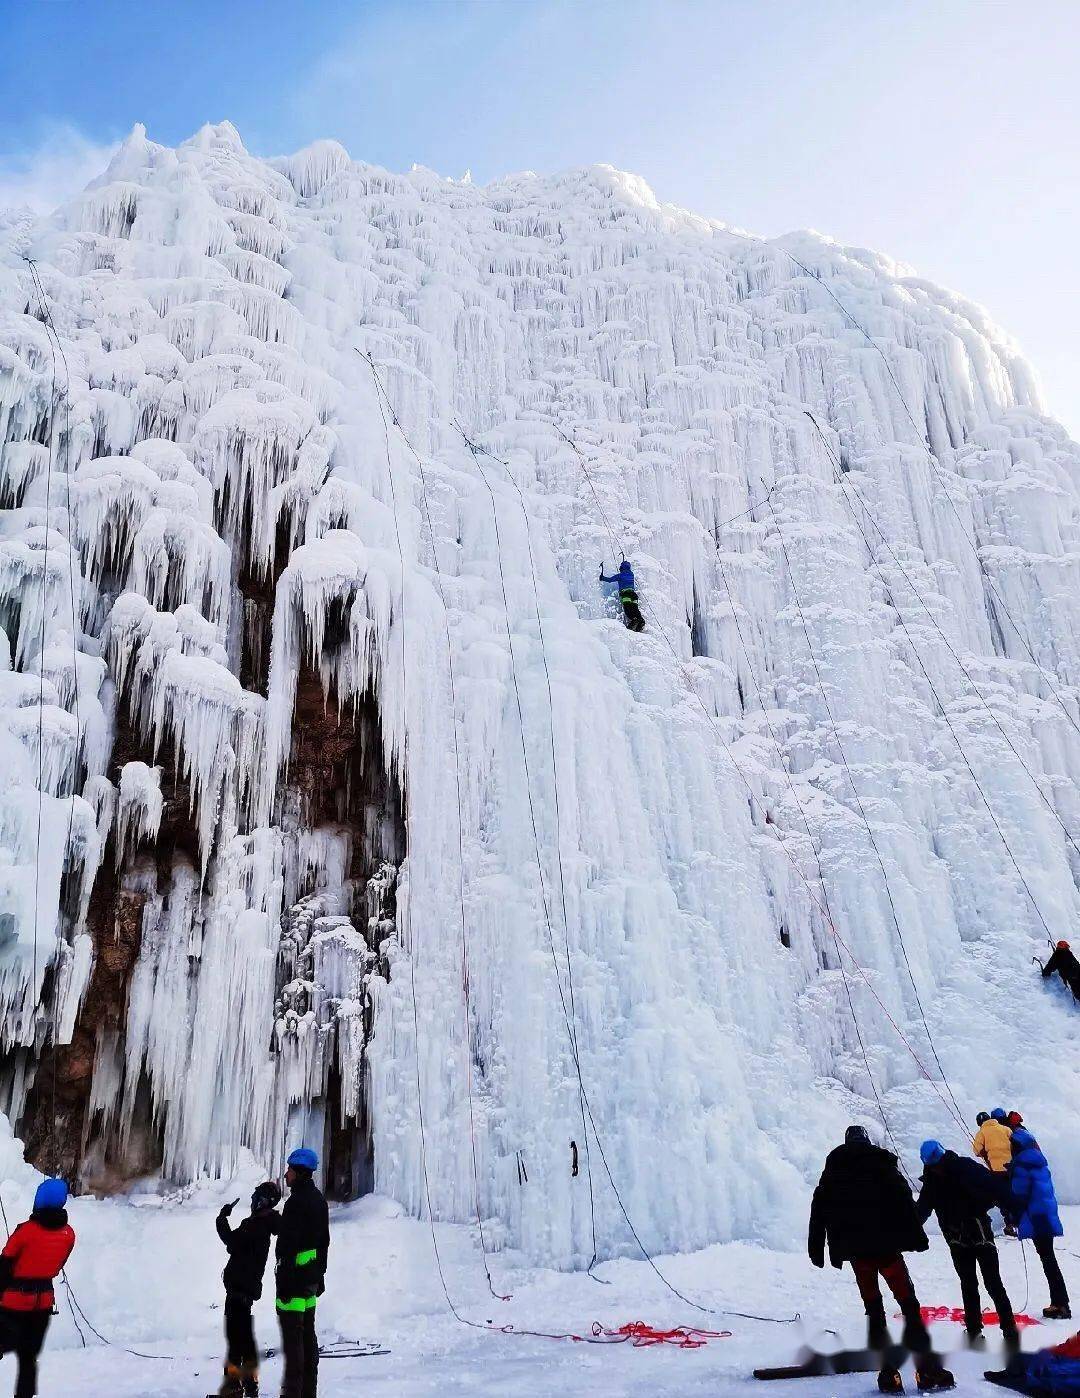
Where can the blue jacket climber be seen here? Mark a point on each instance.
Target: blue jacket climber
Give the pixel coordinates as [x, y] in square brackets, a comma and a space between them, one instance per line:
[627, 596]
[624, 577]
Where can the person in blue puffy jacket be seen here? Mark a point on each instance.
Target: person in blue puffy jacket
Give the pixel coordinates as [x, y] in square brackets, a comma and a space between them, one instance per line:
[1033, 1204]
[627, 595]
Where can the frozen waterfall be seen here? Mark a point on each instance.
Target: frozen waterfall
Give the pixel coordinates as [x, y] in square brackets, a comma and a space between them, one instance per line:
[290, 678]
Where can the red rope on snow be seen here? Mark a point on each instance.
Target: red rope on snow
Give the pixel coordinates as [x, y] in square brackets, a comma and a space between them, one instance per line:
[933, 1314]
[638, 1333]
[642, 1335]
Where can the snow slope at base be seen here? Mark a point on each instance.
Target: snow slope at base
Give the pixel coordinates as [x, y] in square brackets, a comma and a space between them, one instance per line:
[147, 1274]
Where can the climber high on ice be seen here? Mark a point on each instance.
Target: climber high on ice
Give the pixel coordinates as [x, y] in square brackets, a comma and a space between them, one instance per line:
[627, 595]
[1064, 962]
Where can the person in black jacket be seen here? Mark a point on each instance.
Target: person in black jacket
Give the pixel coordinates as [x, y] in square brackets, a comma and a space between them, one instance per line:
[1063, 961]
[248, 1246]
[961, 1192]
[864, 1213]
[302, 1246]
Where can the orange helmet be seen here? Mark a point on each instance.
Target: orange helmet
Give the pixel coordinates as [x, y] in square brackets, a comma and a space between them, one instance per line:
[1063, 946]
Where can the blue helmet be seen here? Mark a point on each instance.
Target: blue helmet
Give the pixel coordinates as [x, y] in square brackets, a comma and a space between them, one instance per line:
[304, 1159]
[930, 1152]
[999, 1113]
[51, 1194]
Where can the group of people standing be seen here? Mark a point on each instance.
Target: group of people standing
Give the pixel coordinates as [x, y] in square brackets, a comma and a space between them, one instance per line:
[302, 1230]
[864, 1213]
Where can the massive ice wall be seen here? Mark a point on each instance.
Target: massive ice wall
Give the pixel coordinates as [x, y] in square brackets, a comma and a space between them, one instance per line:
[290, 687]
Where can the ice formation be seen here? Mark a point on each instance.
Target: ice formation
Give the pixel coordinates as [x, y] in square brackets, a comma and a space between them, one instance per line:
[293, 676]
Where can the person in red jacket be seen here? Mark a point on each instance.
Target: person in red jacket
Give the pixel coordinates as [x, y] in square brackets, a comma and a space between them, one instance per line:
[29, 1263]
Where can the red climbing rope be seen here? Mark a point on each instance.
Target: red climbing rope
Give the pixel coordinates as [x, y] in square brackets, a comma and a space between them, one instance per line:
[933, 1314]
[638, 1333]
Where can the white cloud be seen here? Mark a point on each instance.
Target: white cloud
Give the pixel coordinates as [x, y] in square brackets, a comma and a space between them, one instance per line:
[61, 165]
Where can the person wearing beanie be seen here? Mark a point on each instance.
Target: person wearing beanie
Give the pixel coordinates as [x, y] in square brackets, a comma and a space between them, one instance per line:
[961, 1193]
[863, 1213]
[31, 1260]
[302, 1246]
[992, 1142]
[248, 1246]
[1034, 1206]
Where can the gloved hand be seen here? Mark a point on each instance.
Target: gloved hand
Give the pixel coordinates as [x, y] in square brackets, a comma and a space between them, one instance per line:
[817, 1257]
[226, 1209]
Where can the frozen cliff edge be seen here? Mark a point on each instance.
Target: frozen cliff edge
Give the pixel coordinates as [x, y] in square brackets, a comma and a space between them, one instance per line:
[236, 704]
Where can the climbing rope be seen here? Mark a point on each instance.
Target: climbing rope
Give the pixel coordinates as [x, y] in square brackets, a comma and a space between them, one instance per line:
[782, 766]
[859, 803]
[646, 1254]
[843, 481]
[949, 1106]
[56, 347]
[931, 457]
[461, 866]
[572, 1017]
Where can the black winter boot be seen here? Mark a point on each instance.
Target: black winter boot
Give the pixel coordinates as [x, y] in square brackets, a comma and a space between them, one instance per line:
[933, 1377]
[916, 1337]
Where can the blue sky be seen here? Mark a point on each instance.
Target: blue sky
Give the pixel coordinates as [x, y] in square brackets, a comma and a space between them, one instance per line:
[943, 132]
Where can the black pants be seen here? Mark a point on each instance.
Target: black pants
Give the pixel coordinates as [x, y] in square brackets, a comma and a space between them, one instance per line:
[300, 1346]
[23, 1334]
[969, 1262]
[1059, 1295]
[634, 620]
[240, 1349]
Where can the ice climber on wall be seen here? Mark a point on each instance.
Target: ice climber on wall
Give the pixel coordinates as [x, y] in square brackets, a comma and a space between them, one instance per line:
[864, 1213]
[302, 1246]
[32, 1258]
[1063, 961]
[249, 1246]
[627, 595]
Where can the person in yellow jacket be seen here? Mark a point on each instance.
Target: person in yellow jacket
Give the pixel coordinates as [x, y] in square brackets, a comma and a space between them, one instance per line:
[993, 1141]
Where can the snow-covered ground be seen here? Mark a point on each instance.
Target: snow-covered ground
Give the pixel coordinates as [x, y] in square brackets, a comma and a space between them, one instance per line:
[147, 1275]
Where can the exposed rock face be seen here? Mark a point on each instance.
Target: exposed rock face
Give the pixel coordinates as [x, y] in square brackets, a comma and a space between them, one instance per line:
[356, 795]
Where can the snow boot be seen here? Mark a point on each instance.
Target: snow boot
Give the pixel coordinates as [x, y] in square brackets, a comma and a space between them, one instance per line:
[933, 1377]
[232, 1385]
[1057, 1313]
[890, 1381]
[251, 1383]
